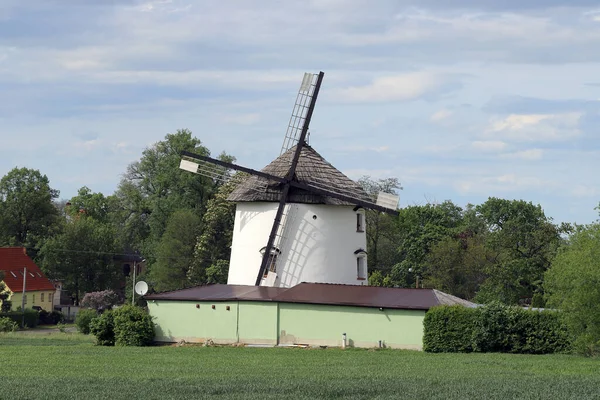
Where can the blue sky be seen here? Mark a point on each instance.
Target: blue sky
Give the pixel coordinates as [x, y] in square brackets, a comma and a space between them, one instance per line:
[458, 99]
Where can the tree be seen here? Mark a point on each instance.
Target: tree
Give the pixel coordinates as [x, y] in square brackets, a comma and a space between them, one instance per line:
[5, 305]
[213, 249]
[175, 252]
[27, 212]
[154, 187]
[96, 205]
[421, 228]
[525, 242]
[572, 285]
[103, 300]
[457, 265]
[82, 256]
[382, 229]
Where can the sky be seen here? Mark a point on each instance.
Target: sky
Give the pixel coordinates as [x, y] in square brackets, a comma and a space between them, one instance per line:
[458, 99]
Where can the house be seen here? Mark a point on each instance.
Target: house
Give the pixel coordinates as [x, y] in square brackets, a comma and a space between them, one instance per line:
[314, 314]
[19, 268]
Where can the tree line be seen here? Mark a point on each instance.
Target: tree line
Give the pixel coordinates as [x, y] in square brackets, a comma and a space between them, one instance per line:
[181, 224]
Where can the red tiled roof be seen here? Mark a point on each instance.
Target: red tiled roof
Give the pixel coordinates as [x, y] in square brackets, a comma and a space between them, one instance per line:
[12, 262]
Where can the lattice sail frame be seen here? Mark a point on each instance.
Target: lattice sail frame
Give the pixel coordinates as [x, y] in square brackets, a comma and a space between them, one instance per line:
[301, 106]
[219, 174]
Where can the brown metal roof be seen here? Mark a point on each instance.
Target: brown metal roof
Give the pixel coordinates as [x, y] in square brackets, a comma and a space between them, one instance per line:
[312, 169]
[320, 293]
[361, 296]
[220, 292]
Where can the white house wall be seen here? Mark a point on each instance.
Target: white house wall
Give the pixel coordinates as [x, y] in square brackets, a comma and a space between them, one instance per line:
[320, 245]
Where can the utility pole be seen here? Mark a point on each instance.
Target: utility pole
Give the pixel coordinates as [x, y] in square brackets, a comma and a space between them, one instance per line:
[133, 286]
[23, 297]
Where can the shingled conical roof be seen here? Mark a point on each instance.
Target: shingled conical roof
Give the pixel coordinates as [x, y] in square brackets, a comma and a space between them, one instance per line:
[312, 169]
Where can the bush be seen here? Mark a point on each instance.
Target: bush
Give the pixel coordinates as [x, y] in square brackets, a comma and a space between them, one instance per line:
[103, 300]
[51, 318]
[31, 317]
[133, 326]
[6, 306]
[83, 319]
[494, 328]
[103, 328]
[448, 329]
[8, 325]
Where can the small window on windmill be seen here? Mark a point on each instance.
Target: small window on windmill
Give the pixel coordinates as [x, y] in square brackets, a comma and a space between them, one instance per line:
[272, 261]
[361, 264]
[360, 219]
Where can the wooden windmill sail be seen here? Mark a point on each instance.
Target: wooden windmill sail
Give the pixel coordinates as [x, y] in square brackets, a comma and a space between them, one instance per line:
[299, 174]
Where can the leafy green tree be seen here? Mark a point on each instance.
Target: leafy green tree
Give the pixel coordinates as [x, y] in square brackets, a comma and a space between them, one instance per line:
[572, 285]
[524, 241]
[27, 212]
[96, 205]
[421, 228]
[458, 265]
[154, 187]
[82, 256]
[175, 252]
[213, 249]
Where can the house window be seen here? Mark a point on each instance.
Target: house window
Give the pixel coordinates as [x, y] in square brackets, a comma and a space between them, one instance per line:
[272, 261]
[42, 297]
[361, 264]
[33, 300]
[25, 297]
[360, 219]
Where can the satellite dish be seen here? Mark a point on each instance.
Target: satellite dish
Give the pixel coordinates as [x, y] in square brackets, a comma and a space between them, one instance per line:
[141, 288]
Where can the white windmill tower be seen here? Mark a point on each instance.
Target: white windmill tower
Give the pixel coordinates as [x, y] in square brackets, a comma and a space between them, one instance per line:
[299, 219]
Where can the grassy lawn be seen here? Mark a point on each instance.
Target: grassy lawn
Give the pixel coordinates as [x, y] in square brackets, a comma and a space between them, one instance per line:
[69, 366]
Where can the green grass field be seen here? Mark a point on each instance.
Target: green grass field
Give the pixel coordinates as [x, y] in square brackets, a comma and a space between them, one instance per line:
[69, 366]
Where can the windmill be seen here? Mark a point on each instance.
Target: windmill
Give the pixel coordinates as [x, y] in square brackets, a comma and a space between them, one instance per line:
[281, 181]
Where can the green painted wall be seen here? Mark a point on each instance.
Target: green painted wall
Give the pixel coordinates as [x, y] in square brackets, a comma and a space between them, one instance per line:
[286, 323]
[181, 320]
[258, 322]
[364, 327]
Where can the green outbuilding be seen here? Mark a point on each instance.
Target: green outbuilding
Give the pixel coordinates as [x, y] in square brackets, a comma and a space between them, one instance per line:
[313, 314]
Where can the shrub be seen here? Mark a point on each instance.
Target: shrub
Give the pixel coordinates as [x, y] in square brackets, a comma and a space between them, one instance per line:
[6, 306]
[133, 326]
[103, 328]
[100, 300]
[51, 318]
[83, 319]
[8, 325]
[31, 317]
[494, 328]
[448, 329]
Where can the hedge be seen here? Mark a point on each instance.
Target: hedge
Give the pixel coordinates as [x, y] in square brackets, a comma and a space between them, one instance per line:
[494, 328]
[31, 317]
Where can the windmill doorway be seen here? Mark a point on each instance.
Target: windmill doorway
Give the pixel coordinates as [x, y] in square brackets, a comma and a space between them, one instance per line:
[272, 261]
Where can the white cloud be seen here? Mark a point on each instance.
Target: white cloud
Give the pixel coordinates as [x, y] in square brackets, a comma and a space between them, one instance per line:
[585, 191]
[529, 155]
[536, 127]
[488, 145]
[88, 145]
[376, 149]
[403, 87]
[441, 114]
[499, 184]
[241, 119]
